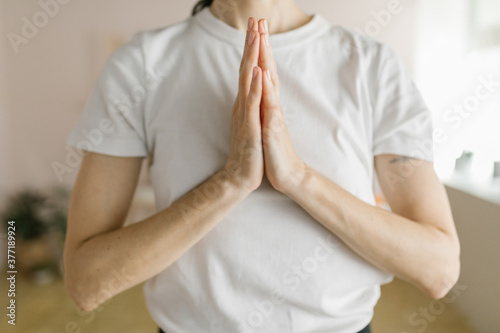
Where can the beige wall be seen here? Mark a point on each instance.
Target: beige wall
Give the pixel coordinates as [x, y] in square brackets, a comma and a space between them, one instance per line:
[478, 226]
[49, 79]
[4, 124]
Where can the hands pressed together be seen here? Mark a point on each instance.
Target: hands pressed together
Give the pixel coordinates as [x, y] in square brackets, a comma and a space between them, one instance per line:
[260, 143]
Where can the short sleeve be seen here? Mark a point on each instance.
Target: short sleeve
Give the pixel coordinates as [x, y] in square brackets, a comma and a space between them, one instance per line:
[112, 120]
[402, 123]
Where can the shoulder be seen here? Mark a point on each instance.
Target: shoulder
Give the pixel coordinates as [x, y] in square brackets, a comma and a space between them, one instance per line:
[144, 52]
[153, 40]
[145, 42]
[357, 47]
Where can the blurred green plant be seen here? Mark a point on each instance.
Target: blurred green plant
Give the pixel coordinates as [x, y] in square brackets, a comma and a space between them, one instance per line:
[37, 213]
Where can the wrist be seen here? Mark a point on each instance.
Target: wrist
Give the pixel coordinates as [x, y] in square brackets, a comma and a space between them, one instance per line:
[298, 180]
[229, 178]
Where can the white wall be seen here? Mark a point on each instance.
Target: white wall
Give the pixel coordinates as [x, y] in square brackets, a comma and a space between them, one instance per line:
[49, 79]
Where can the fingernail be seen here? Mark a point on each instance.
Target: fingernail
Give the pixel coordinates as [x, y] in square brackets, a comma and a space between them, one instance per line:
[251, 37]
[254, 73]
[250, 23]
[266, 27]
[268, 74]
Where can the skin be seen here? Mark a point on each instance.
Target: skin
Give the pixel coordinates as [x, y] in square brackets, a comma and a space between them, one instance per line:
[416, 242]
[284, 14]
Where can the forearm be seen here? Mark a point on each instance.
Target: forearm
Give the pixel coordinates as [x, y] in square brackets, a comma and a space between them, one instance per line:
[110, 263]
[416, 252]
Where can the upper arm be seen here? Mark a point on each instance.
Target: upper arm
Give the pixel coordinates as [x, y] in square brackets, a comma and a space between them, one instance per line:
[414, 191]
[101, 196]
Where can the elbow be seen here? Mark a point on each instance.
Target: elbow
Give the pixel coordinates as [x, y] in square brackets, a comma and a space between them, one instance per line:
[78, 284]
[79, 292]
[442, 285]
[86, 306]
[443, 279]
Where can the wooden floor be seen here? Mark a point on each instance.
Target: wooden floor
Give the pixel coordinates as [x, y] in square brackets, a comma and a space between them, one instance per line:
[48, 309]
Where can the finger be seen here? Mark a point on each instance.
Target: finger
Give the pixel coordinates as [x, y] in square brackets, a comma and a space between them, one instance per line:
[269, 100]
[255, 94]
[271, 114]
[266, 59]
[245, 46]
[250, 57]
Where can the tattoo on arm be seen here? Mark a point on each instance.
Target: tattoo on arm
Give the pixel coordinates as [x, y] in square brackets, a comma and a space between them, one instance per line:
[402, 159]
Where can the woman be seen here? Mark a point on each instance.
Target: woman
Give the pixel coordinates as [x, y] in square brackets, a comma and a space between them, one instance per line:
[264, 140]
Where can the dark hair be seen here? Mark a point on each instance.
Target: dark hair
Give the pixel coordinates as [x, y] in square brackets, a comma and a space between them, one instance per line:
[200, 5]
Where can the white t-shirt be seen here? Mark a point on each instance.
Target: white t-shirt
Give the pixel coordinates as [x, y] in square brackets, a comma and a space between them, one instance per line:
[268, 266]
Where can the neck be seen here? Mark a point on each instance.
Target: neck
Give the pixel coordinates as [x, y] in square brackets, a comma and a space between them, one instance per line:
[282, 15]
